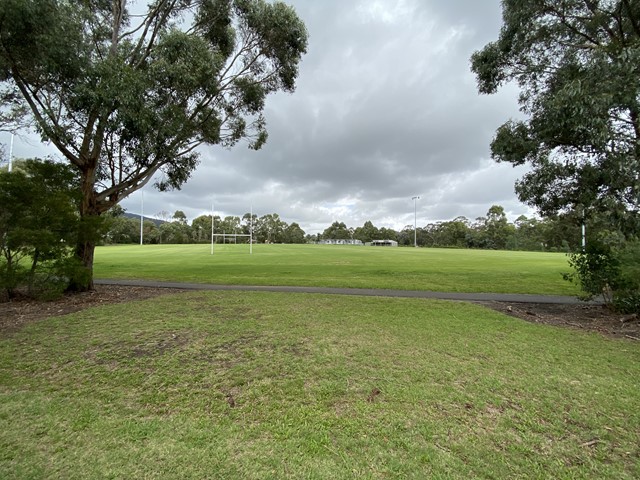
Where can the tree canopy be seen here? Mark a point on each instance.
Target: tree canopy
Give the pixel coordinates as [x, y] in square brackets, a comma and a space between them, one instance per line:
[124, 96]
[577, 63]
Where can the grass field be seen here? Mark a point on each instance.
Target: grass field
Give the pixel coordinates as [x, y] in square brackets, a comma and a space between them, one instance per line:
[271, 386]
[341, 266]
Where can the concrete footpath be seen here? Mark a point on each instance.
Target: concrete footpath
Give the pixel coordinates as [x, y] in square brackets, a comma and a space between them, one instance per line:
[371, 292]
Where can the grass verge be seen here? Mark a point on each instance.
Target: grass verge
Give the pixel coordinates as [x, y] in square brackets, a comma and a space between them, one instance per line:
[267, 385]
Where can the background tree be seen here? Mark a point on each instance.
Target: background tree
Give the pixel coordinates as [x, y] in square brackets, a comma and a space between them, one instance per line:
[163, 216]
[337, 231]
[497, 228]
[577, 63]
[201, 227]
[388, 234]
[528, 234]
[230, 224]
[405, 236]
[248, 222]
[149, 232]
[180, 217]
[293, 234]
[451, 233]
[118, 228]
[175, 232]
[124, 96]
[366, 232]
[270, 228]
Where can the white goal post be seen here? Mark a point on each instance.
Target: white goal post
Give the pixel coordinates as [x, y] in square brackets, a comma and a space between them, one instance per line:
[234, 235]
[226, 238]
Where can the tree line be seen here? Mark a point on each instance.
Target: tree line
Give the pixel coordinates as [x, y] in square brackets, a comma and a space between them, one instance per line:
[175, 228]
[493, 231]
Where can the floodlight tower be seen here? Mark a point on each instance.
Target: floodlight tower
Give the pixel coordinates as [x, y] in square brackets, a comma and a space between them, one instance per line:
[415, 220]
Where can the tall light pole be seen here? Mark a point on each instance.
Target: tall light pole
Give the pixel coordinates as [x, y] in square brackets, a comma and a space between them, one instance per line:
[415, 220]
[11, 153]
[141, 215]
[212, 228]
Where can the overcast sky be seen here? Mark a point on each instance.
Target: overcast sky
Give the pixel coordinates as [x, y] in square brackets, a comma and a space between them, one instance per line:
[385, 109]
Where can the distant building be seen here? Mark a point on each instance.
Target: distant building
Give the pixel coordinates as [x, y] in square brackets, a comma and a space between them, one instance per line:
[340, 241]
[384, 243]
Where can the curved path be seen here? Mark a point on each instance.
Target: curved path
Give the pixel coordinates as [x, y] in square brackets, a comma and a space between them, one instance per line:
[371, 292]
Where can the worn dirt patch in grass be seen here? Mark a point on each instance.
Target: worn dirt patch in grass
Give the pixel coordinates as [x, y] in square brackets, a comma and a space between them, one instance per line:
[593, 318]
[22, 310]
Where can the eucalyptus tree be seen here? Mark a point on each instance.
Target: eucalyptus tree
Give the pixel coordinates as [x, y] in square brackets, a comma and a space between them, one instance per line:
[126, 90]
[201, 227]
[577, 63]
[367, 232]
[293, 234]
[337, 230]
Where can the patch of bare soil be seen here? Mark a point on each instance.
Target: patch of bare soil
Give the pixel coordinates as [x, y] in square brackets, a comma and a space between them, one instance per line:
[595, 318]
[23, 310]
[18, 312]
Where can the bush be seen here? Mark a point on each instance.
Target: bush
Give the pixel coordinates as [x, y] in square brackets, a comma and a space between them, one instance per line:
[51, 278]
[610, 271]
[38, 228]
[11, 277]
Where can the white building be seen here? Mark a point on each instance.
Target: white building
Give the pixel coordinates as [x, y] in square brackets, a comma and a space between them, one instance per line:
[340, 241]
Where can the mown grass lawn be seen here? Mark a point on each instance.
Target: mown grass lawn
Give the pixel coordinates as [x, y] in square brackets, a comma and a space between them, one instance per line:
[341, 266]
[267, 385]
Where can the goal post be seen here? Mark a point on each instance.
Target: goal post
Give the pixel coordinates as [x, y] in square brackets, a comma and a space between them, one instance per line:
[234, 235]
[226, 238]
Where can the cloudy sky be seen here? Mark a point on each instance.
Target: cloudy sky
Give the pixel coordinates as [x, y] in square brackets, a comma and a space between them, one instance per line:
[385, 109]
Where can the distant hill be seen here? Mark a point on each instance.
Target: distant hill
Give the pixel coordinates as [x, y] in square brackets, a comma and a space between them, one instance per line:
[137, 217]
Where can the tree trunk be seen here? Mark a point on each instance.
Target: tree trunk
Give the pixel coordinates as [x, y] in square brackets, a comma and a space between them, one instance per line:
[88, 230]
[82, 281]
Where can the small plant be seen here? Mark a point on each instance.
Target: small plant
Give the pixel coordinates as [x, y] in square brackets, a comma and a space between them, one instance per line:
[610, 271]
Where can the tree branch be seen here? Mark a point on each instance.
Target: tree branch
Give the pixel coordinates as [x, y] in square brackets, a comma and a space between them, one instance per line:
[33, 104]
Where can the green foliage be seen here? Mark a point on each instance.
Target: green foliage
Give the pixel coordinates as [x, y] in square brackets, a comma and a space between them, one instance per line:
[610, 271]
[123, 97]
[180, 217]
[38, 226]
[293, 234]
[122, 230]
[578, 67]
[52, 277]
[337, 231]
[366, 232]
[269, 228]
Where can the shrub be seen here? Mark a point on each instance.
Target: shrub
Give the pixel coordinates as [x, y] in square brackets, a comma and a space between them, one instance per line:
[610, 271]
[38, 226]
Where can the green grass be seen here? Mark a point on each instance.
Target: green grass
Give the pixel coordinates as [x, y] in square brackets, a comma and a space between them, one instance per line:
[145, 390]
[341, 266]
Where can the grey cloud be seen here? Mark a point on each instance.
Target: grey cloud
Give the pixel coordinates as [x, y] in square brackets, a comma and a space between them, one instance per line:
[385, 108]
